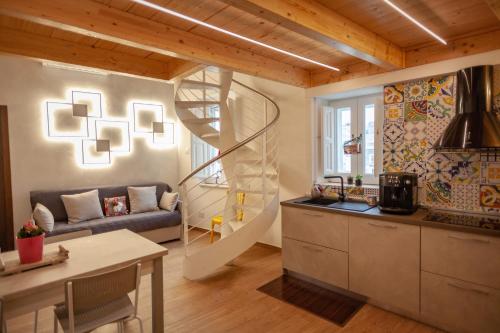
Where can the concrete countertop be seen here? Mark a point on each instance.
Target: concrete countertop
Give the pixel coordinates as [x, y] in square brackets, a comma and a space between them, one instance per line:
[416, 218]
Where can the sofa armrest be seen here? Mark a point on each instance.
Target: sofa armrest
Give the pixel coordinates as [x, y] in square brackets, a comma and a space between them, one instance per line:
[179, 206]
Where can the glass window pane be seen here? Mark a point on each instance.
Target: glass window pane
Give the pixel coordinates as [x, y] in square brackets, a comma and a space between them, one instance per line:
[369, 139]
[343, 135]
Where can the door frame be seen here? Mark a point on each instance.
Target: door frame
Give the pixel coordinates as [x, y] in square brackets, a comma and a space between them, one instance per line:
[6, 210]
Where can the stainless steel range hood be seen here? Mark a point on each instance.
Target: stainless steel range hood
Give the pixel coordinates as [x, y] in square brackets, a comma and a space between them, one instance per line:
[476, 124]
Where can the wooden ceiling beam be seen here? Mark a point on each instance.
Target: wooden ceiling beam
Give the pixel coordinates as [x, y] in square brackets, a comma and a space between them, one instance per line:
[43, 47]
[101, 21]
[494, 6]
[458, 47]
[315, 21]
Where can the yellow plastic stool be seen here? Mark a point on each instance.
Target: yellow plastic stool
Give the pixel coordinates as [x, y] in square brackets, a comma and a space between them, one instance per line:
[240, 200]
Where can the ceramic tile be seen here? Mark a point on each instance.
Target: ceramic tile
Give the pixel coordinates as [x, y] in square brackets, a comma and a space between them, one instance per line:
[415, 150]
[440, 87]
[490, 172]
[465, 168]
[434, 129]
[415, 111]
[438, 194]
[465, 197]
[414, 130]
[418, 168]
[415, 90]
[393, 131]
[440, 108]
[394, 93]
[393, 156]
[490, 196]
[394, 113]
[438, 168]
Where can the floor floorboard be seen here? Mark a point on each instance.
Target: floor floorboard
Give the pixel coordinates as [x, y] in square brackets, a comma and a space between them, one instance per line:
[230, 302]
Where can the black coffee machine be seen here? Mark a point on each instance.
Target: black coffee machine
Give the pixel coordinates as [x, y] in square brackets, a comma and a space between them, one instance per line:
[398, 192]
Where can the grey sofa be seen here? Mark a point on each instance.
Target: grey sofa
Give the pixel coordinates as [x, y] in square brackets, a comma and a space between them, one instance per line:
[159, 226]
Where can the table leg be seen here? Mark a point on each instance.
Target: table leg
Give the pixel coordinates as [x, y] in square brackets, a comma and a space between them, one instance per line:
[157, 295]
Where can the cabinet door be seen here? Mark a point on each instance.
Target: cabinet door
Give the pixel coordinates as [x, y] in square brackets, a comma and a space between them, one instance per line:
[465, 256]
[321, 263]
[384, 262]
[459, 306]
[325, 229]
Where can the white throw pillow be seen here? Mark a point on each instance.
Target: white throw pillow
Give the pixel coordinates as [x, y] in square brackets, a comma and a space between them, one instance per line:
[43, 217]
[82, 207]
[142, 199]
[169, 201]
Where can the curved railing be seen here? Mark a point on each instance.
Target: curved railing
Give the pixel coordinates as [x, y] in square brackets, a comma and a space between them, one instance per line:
[239, 187]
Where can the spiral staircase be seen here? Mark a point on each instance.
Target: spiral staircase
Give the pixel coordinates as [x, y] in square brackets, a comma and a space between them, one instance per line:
[241, 123]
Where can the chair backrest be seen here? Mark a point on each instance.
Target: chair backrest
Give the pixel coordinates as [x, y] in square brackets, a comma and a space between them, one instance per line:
[90, 292]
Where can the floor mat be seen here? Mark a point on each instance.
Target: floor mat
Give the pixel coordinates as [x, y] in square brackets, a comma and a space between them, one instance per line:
[322, 302]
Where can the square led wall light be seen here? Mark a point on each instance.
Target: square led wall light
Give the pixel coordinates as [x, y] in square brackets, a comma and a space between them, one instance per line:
[116, 132]
[163, 133]
[92, 100]
[94, 152]
[61, 123]
[145, 115]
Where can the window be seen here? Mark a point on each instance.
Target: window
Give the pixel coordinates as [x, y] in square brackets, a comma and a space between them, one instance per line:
[202, 152]
[344, 119]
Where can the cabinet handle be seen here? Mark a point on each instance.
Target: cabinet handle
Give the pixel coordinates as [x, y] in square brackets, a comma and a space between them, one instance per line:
[313, 215]
[311, 248]
[383, 225]
[478, 291]
[477, 240]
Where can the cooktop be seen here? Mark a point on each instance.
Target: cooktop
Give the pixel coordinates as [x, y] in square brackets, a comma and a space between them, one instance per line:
[475, 221]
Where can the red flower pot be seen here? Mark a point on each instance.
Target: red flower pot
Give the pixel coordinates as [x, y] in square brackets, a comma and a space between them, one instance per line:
[30, 249]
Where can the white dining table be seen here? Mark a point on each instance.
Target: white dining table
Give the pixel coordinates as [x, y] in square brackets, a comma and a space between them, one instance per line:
[32, 290]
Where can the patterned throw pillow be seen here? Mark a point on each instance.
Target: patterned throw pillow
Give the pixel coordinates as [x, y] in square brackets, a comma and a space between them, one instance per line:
[115, 206]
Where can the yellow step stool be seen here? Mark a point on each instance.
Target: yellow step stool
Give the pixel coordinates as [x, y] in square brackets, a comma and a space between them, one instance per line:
[217, 219]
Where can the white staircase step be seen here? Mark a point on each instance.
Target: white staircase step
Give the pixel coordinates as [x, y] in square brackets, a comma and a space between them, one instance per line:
[191, 84]
[200, 120]
[195, 104]
[256, 175]
[258, 191]
[248, 206]
[235, 225]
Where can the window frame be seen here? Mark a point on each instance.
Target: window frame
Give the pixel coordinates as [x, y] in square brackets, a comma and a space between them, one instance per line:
[357, 106]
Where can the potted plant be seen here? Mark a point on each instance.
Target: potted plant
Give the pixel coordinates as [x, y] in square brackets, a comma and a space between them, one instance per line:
[359, 180]
[350, 180]
[30, 243]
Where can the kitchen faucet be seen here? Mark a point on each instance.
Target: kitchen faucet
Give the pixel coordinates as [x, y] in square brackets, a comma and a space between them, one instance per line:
[341, 195]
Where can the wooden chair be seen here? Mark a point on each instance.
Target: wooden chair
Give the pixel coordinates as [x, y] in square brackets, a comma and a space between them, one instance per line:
[97, 300]
[217, 220]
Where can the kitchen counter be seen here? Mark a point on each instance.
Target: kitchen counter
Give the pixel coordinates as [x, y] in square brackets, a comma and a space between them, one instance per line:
[416, 218]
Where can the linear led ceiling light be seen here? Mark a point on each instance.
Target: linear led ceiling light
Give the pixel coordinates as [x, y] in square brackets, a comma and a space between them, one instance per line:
[420, 25]
[213, 27]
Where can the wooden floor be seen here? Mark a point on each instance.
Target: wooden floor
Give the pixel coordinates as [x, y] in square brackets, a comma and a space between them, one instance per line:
[229, 302]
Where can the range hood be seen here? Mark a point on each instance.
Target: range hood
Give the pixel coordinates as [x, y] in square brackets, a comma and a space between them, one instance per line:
[476, 124]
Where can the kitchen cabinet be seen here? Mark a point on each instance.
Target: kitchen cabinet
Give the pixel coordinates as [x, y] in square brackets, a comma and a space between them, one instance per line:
[459, 306]
[325, 229]
[321, 263]
[384, 262]
[464, 256]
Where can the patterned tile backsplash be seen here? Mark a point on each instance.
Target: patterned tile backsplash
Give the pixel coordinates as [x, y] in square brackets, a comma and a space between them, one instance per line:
[415, 114]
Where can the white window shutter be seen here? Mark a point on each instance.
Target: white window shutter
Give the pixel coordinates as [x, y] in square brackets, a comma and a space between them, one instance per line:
[328, 140]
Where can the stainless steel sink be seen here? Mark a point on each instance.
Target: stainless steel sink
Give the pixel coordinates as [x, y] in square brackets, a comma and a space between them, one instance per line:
[332, 203]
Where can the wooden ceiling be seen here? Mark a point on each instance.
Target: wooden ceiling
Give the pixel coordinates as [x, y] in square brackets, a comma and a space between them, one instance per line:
[359, 37]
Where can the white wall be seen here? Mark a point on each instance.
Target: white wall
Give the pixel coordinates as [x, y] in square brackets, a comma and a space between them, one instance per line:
[39, 164]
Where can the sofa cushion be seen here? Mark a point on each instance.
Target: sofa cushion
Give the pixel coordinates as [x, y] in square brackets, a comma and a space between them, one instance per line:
[136, 223]
[82, 207]
[142, 199]
[43, 217]
[52, 199]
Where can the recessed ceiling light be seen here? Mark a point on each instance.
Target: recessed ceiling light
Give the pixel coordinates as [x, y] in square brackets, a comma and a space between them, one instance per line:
[213, 27]
[420, 25]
